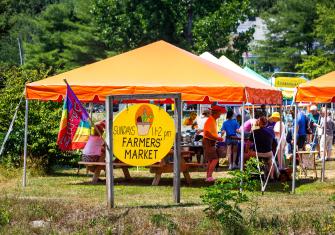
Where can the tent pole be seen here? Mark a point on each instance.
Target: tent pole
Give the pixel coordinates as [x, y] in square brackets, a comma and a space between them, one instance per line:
[24, 177]
[177, 149]
[324, 144]
[109, 152]
[295, 145]
[280, 139]
[242, 140]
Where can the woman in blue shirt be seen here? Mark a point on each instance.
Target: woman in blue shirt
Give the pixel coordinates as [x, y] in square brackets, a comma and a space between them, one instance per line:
[231, 127]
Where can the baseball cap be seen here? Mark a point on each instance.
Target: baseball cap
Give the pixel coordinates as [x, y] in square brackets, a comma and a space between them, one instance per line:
[313, 108]
[275, 115]
[218, 108]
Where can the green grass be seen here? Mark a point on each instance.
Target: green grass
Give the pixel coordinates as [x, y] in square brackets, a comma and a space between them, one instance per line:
[70, 204]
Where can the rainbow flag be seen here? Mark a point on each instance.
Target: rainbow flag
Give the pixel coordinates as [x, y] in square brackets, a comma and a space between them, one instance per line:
[74, 127]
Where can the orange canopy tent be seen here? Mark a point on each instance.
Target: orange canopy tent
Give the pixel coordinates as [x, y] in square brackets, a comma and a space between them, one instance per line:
[153, 69]
[319, 90]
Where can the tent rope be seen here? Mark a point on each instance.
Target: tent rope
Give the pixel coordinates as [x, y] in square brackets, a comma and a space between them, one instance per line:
[11, 126]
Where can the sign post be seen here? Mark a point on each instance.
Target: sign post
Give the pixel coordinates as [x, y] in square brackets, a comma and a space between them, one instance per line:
[142, 135]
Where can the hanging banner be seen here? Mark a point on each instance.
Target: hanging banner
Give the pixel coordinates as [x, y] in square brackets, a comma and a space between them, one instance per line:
[143, 134]
[288, 82]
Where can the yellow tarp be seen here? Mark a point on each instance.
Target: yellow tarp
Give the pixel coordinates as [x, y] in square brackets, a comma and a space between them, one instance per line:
[156, 68]
[319, 90]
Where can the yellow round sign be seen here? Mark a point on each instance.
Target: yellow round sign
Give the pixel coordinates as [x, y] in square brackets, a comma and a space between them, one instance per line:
[143, 134]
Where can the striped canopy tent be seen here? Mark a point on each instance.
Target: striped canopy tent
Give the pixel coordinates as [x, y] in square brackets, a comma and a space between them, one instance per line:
[154, 69]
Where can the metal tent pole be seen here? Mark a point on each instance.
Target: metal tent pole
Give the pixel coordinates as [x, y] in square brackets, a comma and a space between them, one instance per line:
[295, 146]
[324, 145]
[242, 141]
[24, 177]
[109, 152]
[177, 150]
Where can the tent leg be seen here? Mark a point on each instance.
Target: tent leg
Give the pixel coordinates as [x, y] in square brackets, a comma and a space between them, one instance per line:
[24, 177]
[294, 146]
[109, 153]
[324, 145]
[177, 151]
[242, 142]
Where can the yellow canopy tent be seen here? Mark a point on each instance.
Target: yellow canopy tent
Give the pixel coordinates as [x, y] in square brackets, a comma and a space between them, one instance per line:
[153, 69]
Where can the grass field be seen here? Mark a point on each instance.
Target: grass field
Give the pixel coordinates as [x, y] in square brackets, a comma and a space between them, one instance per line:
[68, 203]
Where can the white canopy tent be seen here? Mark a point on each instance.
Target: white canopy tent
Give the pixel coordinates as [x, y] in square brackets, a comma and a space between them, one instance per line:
[228, 64]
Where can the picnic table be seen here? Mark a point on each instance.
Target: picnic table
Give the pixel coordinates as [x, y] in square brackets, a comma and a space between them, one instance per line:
[164, 166]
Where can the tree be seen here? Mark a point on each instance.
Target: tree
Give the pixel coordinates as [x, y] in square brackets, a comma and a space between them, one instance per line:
[290, 34]
[323, 60]
[14, 23]
[43, 120]
[194, 25]
[64, 37]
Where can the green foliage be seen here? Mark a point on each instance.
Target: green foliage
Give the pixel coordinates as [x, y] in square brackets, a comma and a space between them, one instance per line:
[290, 34]
[162, 220]
[323, 60]
[224, 198]
[15, 18]
[195, 25]
[4, 216]
[64, 37]
[43, 121]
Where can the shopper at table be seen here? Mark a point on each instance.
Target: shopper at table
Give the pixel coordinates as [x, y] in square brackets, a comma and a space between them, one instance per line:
[209, 142]
[263, 141]
[190, 123]
[230, 127]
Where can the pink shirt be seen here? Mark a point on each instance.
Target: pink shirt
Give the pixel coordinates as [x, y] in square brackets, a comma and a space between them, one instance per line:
[248, 125]
[93, 146]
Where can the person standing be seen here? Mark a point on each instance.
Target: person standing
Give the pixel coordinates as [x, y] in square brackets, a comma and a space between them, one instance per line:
[302, 121]
[279, 130]
[313, 118]
[230, 127]
[330, 126]
[209, 142]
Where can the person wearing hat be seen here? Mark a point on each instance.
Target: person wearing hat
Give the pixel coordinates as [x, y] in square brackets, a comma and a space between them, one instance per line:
[209, 142]
[275, 117]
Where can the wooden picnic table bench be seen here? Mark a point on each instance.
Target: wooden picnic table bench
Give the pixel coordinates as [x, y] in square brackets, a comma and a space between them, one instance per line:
[99, 166]
[164, 166]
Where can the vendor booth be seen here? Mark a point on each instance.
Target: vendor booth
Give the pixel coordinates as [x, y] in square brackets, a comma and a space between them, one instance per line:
[318, 91]
[153, 72]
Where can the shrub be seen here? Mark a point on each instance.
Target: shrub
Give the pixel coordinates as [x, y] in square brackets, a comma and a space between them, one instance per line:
[224, 198]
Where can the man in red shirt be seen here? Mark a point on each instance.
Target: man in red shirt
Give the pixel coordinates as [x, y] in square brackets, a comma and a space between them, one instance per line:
[209, 141]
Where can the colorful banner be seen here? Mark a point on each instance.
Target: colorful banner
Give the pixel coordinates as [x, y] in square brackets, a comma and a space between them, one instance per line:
[288, 82]
[74, 115]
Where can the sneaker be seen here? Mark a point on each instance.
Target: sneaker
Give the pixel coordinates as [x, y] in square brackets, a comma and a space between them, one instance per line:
[231, 167]
[210, 179]
[235, 167]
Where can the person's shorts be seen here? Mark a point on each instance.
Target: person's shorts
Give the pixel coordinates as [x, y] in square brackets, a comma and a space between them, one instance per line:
[329, 143]
[210, 151]
[230, 141]
[301, 141]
